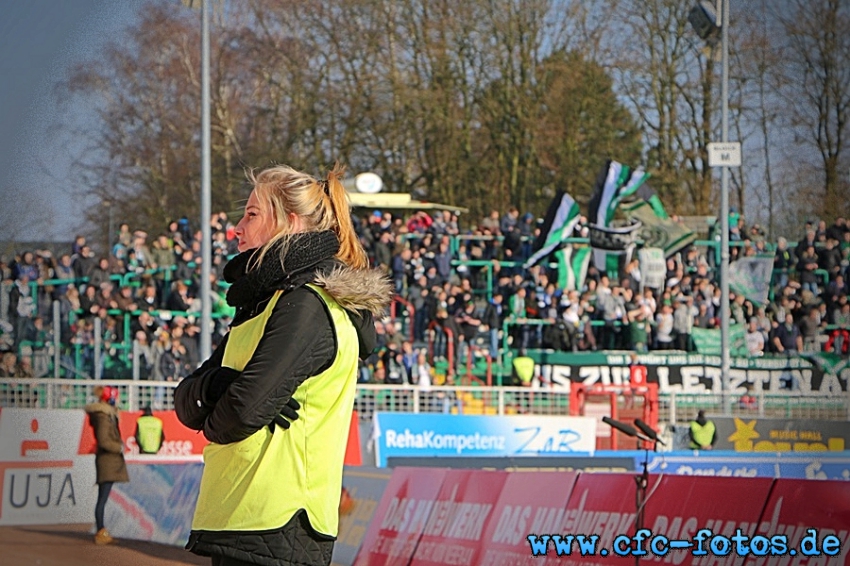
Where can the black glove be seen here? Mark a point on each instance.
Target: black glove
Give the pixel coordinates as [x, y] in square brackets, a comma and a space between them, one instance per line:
[289, 412]
[216, 383]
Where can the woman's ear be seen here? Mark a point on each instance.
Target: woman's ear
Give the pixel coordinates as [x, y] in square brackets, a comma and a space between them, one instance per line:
[295, 223]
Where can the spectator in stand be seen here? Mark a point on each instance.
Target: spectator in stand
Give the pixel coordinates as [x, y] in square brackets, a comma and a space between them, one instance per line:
[512, 246]
[132, 265]
[84, 264]
[739, 307]
[24, 367]
[170, 360]
[448, 332]
[839, 338]
[517, 314]
[838, 229]
[185, 267]
[384, 251]
[21, 307]
[79, 242]
[829, 258]
[808, 241]
[25, 266]
[443, 261]
[163, 260]
[147, 300]
[844, 247]
[124, 300]
[664, 327]
[810, 327]
[820, 231]
[683, 321]
[99, 273]
[422, 370]
[491, 223]
[806, 267]
[189, 335]
[104, 299]
[755, 339]
[509, 220]
[783, 263]
[8, 364]
[418, 294]
[400, 263]
[64, 270]
[469, 322]
[702, 318]
[493, 321]
[419, 223]
[179, 299]
[836, 289]
[635, 334]
[393, 364]
[787, 338]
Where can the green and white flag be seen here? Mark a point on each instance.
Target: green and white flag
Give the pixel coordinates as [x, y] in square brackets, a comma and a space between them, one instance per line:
[658, 230]
[572, 266]
[613, 184]
[750, 276]
[561, 219]
[707, 340]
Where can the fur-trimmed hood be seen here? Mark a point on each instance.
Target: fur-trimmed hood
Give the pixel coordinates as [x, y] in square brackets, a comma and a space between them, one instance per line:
[357, 289]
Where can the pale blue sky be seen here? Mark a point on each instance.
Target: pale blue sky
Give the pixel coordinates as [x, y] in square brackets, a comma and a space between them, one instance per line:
[39, 40]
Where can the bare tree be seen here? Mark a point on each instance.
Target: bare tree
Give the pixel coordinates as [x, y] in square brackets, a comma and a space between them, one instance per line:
[817, 93]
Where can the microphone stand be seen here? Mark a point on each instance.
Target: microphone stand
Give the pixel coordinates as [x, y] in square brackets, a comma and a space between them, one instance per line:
[642, 481]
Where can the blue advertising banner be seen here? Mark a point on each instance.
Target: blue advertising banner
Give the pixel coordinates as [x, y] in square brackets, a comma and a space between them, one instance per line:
[157, 504]
[420, 434]
[812, 465]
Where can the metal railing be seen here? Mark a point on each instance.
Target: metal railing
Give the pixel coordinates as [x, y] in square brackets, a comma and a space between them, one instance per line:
[469, 400]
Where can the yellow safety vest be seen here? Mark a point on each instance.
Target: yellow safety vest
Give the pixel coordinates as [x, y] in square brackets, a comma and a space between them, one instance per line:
[150, 434]
[260, 482]
[524, 367]
[702, 434]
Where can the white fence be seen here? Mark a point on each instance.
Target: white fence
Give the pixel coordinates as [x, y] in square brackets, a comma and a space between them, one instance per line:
[672, 407]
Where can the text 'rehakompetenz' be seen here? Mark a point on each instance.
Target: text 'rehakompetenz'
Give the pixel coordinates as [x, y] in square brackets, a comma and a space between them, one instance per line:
[704, 542]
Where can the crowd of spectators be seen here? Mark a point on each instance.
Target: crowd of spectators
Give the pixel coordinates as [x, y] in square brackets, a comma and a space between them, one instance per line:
[457, 283]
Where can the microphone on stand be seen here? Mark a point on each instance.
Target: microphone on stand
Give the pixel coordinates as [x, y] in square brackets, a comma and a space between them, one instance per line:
[647, 430]
[626, 429]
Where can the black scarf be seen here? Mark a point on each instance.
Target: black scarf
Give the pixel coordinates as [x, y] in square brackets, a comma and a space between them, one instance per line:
[307, 253]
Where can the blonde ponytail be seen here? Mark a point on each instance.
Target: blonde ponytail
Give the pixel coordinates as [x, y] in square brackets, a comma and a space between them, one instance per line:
[351, 251]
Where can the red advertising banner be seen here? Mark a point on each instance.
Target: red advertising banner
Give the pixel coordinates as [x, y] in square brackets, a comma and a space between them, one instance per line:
[600, 504]
[401, 517]
[182, 442]
[452, 534]
[806, 512]
[530, 503]
[683, 505]
[179, 440]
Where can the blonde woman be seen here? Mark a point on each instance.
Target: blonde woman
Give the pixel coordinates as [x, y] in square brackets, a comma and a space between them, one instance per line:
[305, 301]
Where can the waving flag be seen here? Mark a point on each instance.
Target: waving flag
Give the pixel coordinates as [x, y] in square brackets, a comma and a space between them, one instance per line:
[750, 276]
[615, 183]
[658, 230]
[572, 266]
[561, 219]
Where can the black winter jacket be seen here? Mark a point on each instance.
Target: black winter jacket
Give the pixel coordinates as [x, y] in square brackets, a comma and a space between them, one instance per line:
[298, 342]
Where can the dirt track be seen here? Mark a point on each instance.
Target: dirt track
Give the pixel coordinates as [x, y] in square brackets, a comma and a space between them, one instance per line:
[72, 545]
